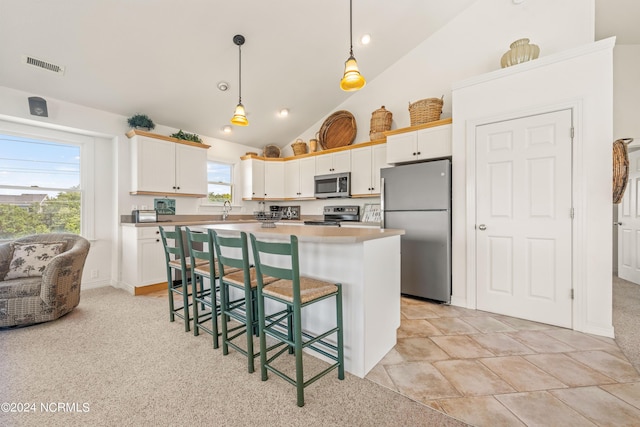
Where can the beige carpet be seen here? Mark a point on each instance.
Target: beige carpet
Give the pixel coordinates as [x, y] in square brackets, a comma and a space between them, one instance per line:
[117, 360]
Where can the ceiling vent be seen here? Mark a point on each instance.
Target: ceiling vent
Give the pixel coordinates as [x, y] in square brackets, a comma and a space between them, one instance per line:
[30, 60]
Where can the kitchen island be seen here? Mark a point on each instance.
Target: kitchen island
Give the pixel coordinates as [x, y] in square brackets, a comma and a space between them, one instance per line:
[367, 263]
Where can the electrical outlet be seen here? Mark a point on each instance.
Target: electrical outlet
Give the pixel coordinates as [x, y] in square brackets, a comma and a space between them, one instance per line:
[94, 274]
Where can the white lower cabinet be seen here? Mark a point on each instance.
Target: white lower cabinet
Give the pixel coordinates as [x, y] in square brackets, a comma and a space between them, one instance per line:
[366, 163]
[143, 260]
[423, 144]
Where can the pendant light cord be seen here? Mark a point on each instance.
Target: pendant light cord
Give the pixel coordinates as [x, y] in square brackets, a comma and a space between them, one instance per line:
[239, 74]
[351, 27]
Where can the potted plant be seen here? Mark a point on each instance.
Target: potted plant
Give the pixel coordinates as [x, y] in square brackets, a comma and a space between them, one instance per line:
[186, 136]
[141, 121]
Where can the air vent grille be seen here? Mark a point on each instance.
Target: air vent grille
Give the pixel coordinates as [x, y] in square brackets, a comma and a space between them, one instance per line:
[45, 65]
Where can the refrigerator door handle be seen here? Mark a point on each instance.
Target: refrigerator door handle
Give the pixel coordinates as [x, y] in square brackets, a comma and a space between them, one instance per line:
[381, 202]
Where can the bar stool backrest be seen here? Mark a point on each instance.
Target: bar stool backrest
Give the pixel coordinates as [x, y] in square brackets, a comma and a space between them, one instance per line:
[264, 264]
[195, 254]
[176, 249]
[225, 256]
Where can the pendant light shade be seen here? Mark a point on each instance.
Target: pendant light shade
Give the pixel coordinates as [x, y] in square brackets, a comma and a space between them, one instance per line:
[239, 116]
[352, 79]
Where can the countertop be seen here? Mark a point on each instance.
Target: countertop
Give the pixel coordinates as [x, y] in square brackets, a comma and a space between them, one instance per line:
[318, 234]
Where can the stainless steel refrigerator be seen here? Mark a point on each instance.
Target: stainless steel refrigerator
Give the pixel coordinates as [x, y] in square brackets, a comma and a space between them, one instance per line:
[417, 198]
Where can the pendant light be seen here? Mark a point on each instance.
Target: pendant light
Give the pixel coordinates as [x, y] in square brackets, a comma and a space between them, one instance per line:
[239, 117]
[352, 79]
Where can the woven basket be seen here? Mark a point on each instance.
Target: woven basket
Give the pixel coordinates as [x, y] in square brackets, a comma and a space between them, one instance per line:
[299, 147]
[380, 122]
[425, 110]
[271, 150]
[620, 168]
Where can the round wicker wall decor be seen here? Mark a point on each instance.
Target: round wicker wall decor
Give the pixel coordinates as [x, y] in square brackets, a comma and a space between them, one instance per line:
[620, 168]
[338, 130]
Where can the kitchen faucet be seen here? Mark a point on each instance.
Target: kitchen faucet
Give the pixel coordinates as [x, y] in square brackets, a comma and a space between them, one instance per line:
[226, 207]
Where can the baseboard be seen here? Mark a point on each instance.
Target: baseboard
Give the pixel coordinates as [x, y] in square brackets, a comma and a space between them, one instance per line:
[148, 289]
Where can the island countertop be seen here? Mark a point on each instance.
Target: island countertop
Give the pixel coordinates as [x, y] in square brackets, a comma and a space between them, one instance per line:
[311, 233]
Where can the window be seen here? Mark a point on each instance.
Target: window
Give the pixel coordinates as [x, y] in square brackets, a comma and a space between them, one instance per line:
[219, 178]
[42, 188]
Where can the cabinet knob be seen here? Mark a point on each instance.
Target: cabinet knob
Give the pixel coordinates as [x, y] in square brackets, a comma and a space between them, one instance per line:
[157, 240]
[418, 153]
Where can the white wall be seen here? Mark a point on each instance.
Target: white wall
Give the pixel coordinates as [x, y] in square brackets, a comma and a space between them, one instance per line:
[582, 79]
[112, 171]
[470, 45]
[626, 92]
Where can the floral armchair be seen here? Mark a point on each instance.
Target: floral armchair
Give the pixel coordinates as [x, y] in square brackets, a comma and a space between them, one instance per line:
[40, 277]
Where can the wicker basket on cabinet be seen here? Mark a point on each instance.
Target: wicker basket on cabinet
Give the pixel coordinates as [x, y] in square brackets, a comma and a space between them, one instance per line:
[380, 122]
[425, 110]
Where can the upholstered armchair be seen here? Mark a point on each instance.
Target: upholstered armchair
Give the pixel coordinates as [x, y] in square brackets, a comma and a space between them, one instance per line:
[40, 277]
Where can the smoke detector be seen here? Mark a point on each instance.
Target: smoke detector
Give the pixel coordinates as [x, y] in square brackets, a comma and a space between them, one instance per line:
[223, 86]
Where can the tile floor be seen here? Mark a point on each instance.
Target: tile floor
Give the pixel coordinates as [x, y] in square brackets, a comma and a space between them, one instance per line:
[492, 370]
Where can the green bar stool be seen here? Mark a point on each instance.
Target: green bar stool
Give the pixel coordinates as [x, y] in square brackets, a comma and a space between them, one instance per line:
[204, 298]
[180, 265]
[295, 292]
[236, 272]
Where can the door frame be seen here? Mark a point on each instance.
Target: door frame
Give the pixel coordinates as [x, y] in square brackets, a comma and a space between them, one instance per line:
[578, 175]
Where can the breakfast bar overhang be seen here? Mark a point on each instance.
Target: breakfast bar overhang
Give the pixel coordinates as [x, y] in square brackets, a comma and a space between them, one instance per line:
[367, 263]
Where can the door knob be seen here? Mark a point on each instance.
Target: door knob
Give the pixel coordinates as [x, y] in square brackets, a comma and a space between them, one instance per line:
[482, 227]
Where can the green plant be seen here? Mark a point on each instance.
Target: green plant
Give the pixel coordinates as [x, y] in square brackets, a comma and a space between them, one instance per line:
[140, 121]
[186, 136]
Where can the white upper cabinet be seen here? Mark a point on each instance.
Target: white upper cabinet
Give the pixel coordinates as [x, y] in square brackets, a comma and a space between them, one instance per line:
[366, 163]
[298, 178]
[420, 144]
[274, 180]
[166, 166]
[252, 171]
[333, 162]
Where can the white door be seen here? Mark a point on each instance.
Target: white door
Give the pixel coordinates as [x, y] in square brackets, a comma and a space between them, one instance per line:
[523, 218]
[629, 224]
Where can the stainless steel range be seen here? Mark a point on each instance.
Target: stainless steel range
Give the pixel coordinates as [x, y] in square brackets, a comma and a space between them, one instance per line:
[333, 215]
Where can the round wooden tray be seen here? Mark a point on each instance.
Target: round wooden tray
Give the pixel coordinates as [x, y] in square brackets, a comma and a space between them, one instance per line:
[338, 130]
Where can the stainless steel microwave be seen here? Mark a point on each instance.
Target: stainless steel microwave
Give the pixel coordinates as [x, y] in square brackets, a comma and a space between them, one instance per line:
[333, 185]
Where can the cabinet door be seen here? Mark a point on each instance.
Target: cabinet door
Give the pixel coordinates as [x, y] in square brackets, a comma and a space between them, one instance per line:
[324, 164]
[307, 172]
[361, 171]
[252, 179]
[151, 261]
[274, 180]
[342, 161]
[378, 161]
[153, 164]
[191, 170]
[402, 147]
[434, 142]
[292, 179]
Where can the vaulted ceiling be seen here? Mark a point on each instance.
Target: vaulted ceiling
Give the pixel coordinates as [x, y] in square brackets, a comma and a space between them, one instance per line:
[165, 58]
